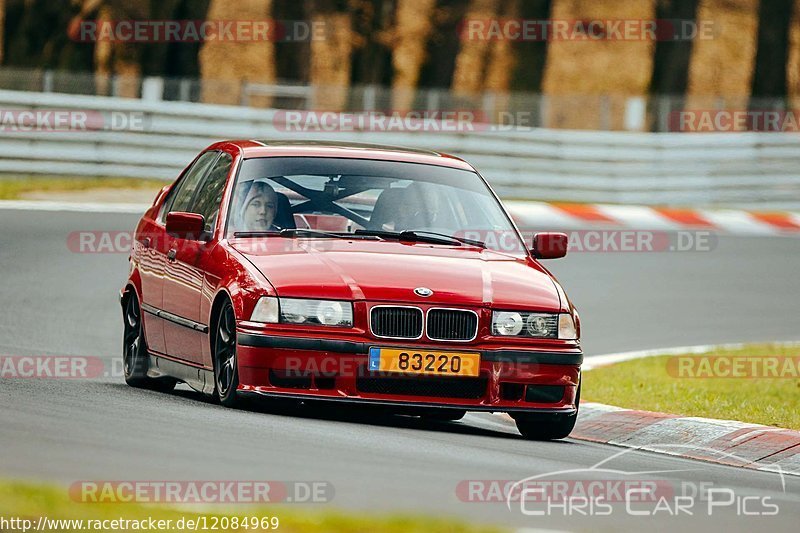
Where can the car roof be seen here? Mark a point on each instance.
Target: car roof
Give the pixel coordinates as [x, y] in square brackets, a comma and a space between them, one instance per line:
[355, 150]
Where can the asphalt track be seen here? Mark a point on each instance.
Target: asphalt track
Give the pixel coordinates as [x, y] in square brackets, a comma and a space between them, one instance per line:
[56, 302]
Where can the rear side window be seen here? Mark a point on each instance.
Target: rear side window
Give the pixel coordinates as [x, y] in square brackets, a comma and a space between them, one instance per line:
[181, 199]
[209, 196]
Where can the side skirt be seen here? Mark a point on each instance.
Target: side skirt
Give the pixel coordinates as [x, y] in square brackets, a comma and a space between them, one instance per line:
[199, 379]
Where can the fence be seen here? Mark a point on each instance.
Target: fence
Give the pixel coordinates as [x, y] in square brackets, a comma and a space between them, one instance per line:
[607, 112]
[728, 169]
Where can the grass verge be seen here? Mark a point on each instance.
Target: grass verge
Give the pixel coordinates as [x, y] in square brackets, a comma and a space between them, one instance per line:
[661, 384]
[32, 501]
[14, 188]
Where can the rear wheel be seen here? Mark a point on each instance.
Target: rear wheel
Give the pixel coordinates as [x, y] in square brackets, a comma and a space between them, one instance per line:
[541, 426]
[134, 350]
[226, 372]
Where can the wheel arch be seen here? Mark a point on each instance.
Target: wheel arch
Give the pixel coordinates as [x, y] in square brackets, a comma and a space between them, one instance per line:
[222, 296]
[133, 284]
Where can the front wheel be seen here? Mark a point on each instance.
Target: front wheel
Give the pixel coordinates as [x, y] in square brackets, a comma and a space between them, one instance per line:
[226, 372]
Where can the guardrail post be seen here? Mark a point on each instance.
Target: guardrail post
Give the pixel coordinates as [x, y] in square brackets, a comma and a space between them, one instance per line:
[153, 89]
[244, 96]
[543, 108]
[664, 109]
[489, 106]
[368, 98]
[184, 90]
[47, 81]
[605, 113]
[432, 100]
[635, 113]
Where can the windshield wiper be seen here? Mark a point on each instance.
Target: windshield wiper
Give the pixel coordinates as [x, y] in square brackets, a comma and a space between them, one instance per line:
[304, 232]
[471, 242]
[288, 233]
[256, 234]
[429, 237]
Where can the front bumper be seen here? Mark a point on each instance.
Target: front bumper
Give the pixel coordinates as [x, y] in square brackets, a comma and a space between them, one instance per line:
[510, 380]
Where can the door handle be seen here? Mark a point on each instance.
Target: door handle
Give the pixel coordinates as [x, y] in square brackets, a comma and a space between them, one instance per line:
[172, 254]
[146, 242]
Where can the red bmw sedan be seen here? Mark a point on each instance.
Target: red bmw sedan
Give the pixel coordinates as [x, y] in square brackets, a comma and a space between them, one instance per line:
[350, 273]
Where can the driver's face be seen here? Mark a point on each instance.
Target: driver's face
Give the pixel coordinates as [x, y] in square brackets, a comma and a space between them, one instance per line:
[260, 212]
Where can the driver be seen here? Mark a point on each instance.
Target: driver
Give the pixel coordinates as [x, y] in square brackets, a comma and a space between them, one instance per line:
[258, 207]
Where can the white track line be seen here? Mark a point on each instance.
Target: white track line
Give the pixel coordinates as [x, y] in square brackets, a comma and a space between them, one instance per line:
[609, 359]
[83, 207]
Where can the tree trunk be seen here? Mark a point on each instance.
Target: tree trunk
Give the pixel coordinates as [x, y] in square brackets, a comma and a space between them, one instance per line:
[292, 59]
[502, 59]
[2, 27]
[227, 66]
[472, 60]
[331, 59]
[175, 59]
[444, 44]
[671, 59]
[531, 55]
[772, 49]
[721, 70]
[372, 54]
[412, 30]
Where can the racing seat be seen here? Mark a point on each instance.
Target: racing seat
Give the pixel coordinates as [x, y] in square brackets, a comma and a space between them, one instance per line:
[284, 219]
[387, 209]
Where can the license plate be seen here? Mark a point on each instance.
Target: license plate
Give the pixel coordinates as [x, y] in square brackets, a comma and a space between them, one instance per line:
[413, 361]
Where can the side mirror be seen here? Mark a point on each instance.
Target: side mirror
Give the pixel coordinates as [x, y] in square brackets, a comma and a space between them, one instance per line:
[550, 245]
[190, 226]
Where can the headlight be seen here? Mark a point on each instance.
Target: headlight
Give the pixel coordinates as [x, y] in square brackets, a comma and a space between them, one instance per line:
[507, 323]
[271, 310]
[266, 310]
[324, 312]
[536, 325]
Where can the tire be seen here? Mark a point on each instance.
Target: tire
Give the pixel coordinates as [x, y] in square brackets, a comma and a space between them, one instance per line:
[226, 369]
[536, 426]
[444, 415]
[134, 350]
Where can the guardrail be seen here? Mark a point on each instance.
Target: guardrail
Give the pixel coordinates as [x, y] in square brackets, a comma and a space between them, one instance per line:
[727, 169]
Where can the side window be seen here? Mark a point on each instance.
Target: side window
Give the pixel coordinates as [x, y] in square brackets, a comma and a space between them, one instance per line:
[181, 198]
[209, 196]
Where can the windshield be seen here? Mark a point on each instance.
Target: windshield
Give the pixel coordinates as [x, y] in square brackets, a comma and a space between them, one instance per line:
[350, 196]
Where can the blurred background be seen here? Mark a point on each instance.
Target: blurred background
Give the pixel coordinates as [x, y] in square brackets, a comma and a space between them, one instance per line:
[415, 54]
[589, 128]
[710, 56]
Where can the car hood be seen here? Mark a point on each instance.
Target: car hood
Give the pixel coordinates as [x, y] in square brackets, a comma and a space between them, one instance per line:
[390, 271]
